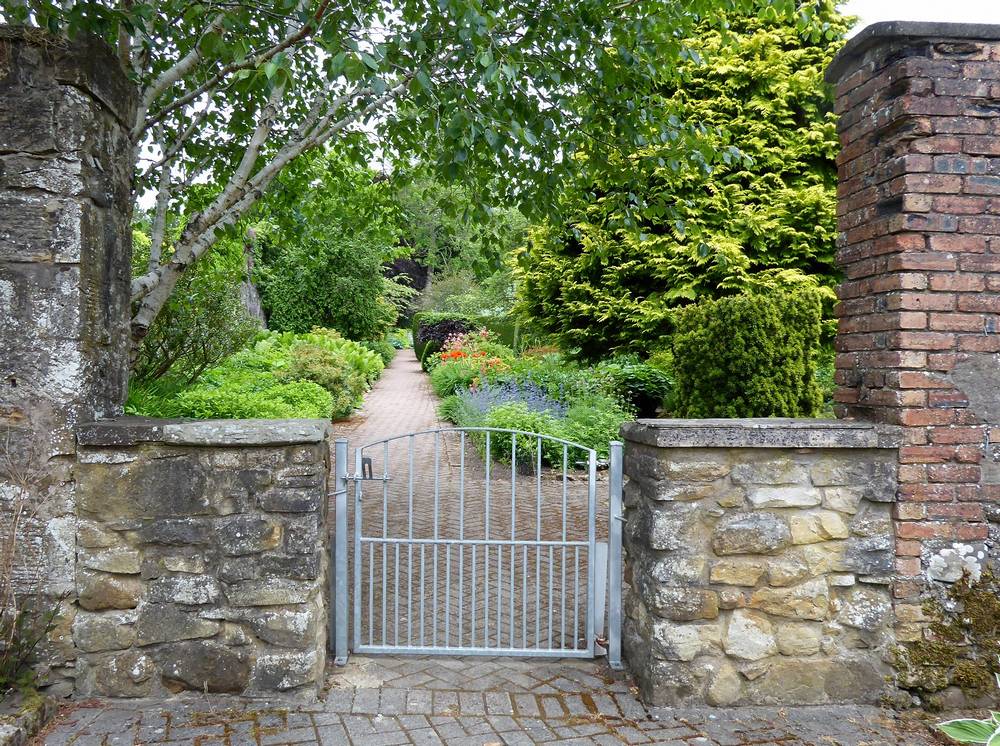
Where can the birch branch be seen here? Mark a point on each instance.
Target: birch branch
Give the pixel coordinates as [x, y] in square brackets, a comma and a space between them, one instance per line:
[154, 288]
[169, 77]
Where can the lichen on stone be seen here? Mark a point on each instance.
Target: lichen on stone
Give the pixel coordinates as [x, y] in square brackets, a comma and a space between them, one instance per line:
[961, 645]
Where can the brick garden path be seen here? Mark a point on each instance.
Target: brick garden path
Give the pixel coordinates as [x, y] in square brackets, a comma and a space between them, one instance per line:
[469, 700]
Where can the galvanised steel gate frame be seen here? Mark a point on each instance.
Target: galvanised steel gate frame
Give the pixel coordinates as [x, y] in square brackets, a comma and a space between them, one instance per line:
[481, 629]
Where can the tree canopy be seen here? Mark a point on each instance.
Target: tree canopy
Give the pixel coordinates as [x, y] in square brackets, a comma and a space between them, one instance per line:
[501, 93]
[606, 277]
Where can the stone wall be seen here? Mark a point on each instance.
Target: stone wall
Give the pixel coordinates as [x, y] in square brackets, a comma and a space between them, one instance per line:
[919, 336]
[759, 560]
[201, 557]
[65, 207]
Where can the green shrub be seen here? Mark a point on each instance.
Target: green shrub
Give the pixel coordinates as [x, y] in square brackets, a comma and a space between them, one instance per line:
[749, 355]
[453, 409]
[400, 339]
[203, 322]
[594, 421]
[381, 347]
[311, 362]
[642, 386]
[558, 378]
[825, 370]
[318, 375]
[517, 416]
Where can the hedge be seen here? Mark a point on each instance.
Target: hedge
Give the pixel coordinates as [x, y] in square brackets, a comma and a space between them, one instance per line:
[751, 355]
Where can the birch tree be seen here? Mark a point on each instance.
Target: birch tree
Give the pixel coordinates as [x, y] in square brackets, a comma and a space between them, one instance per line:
[505, 94]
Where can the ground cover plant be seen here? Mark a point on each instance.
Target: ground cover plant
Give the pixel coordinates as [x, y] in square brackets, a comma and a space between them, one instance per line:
[281, 375]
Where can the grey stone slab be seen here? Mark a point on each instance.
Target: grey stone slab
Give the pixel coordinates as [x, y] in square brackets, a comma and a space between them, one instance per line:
[761, 433]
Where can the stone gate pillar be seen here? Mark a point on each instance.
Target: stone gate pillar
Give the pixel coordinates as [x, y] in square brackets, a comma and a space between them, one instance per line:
[65, 208]
[919, 338]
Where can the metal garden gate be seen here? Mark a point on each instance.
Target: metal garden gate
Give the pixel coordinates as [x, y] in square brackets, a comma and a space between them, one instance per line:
[477, 541]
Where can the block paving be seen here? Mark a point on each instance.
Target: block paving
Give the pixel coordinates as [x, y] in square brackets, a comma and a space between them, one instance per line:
[386, 701]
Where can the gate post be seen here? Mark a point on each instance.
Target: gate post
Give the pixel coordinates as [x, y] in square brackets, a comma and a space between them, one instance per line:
[339, 599]
[615, 519]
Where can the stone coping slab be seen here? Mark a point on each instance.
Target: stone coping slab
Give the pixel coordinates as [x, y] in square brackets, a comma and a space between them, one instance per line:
[127, 431]
[761, 433]
[880, 33]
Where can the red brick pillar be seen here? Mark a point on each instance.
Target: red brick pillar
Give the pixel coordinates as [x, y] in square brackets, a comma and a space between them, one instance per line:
[919, 216]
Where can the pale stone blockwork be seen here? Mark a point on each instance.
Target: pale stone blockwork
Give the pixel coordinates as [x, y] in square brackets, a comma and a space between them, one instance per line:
[759, 559]
[201, 557]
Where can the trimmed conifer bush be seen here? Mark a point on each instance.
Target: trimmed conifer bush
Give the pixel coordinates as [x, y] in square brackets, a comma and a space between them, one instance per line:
[750, 355]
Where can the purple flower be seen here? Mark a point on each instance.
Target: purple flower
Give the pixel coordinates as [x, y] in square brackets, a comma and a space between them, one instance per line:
[488, 395]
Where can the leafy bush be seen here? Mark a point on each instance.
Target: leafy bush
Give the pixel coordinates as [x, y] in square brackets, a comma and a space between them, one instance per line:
[310, 362]
[518, 416]
[381, 347]
[594, 421]
[254, 395]
[748, 356]
[558, 378]
[606, 278]
[448, 377]
[400, 339]
[641, 386]
[203, 322]
[326, 230]
[319, 374]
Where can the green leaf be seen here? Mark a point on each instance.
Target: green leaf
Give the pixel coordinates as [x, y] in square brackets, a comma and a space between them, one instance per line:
[369, 61]
[270, 69]
[968, 730]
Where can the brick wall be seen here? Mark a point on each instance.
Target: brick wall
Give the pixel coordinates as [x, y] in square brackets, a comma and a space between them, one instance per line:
[919, 336]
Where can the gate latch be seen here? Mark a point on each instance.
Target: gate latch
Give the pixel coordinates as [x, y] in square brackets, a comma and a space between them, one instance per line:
[368, 473]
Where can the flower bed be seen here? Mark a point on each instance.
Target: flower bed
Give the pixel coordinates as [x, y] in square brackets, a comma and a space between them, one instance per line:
[485, 385]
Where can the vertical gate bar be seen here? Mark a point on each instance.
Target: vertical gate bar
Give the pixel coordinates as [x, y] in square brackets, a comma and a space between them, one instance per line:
[461, 536]
[423, 576]
[524, 597]
[447, 595]
[513, 525]
[538, 548]
[576, 597]
[437, 515]
[357, 547]
[562, 565]
[371, 593]
[395, 592]
[591, 549]
[338, 593]
[472, 620]
[513, 559]
[409, 546]
[615, 556]
[499, 592]
[486, 551]
[385, 535]
[551, 557]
